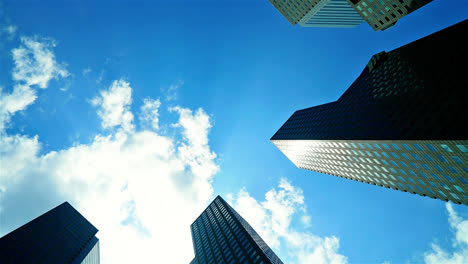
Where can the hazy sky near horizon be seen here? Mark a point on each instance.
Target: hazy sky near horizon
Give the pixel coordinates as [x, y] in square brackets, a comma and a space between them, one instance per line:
[140, 112]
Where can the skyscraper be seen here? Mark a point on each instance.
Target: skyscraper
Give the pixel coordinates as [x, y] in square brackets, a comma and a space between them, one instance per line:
[382, 14]
[379, 14]
[318, 13]
[401, 125]
[221, 235]
[61, 235]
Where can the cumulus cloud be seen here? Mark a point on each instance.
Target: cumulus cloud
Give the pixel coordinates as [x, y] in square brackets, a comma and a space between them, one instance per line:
[150, 112]
[35, 66]
[114, 105]
[35, 62]
[272, 218]
[459, 254]
[142, 190]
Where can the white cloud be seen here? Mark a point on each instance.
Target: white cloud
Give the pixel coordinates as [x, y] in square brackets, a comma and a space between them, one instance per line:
[150, 112]
[114, 105]
[272, 220]
[35, 62]
[142, 190]
[35, 66]
[459, 254]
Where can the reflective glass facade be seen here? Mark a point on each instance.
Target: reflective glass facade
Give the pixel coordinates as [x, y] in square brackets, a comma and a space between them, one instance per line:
[61, 235]
[400, 125]
[331, 13]
[382, 14]
[221, 235]
[318, 13]
[294, 10]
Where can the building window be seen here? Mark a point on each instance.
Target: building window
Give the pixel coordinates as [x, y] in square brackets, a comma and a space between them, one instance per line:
[441, 158]
[417, 147]
[429, 146]
[448, 178]
[457, 159]
[396, 146]
[446, 148]
[425, 166]
[463, 180]
[462, 148]
[444, 185]
[438, 168]
[428, 157]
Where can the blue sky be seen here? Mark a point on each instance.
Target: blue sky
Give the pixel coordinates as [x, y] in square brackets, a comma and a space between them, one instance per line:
[150, 109]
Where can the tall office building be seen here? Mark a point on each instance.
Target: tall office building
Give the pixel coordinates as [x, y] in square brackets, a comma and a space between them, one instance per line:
[379, 14]
[318, 13]
[382, 14]
[221, 235]
[61, 235]
[402, 124]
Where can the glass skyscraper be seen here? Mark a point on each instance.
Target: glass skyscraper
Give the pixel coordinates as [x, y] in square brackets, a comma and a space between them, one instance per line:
[382, 14]
[221, 235]
[379, 14]
[401, 125]
[318, 13]
[61, 235]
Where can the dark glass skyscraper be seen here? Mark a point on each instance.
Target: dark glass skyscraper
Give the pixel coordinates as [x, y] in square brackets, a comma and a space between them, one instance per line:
[61, 235]
[402, 124]
[221, 235]
[382, 14]
[318, 13]
[379, 14]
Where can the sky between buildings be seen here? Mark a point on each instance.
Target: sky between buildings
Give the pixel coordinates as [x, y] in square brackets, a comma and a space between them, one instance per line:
[140, 112]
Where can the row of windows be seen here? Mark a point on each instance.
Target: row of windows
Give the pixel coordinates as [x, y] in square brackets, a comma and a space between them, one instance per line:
[419, 165]
[294, 10]
[422, 189]
[379, 154]
[377, 164]
[382, 177]
[385, 10]
[307, 161]
[384, 146]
